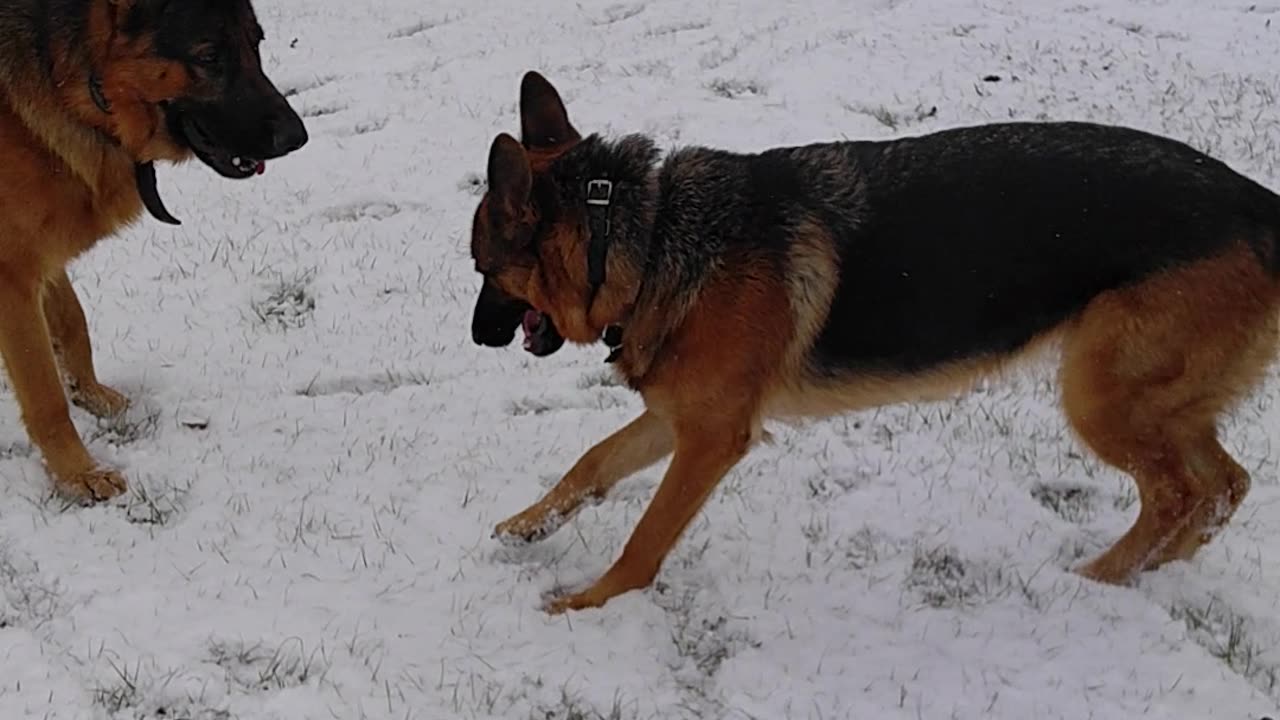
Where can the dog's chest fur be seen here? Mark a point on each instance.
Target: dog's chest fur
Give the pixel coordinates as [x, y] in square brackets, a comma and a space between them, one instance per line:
[57, 202]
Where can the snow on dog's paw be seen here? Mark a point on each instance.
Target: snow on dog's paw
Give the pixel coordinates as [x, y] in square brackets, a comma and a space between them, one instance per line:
[92, 486]
[528, 528]
[99, 400]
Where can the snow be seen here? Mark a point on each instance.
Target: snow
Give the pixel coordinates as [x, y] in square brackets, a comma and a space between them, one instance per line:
[318, 453]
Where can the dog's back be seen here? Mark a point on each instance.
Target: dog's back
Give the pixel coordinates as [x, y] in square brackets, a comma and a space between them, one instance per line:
[969, 242]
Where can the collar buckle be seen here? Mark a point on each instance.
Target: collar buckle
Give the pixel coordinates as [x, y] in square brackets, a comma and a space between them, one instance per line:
[599, 192]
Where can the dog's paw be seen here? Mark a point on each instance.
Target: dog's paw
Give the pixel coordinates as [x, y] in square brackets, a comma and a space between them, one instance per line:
[620, 579]
[92, 485]
[99, 400]
[1107, 571]
[584, 600]
[530, 526]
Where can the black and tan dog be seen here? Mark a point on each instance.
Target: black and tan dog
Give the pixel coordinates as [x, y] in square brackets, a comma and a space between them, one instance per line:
[807, 281]
[92, 93]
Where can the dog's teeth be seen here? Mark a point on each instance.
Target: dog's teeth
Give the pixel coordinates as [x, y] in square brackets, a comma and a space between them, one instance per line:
[235, 161]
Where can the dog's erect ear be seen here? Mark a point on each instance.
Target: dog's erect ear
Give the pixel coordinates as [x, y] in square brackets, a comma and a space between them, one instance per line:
[510, 177]
[544, 122]
[134, 16]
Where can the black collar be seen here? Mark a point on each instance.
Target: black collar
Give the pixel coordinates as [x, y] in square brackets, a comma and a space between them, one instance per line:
[599, 200]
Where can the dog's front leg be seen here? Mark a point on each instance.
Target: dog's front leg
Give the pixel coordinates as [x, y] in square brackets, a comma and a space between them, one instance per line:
[70, 334]
[703, 455]
[641, 443]
[28, 355]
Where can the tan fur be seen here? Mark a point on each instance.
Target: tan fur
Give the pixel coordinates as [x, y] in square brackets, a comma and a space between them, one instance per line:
[804, 396]
[1146, 374]
[811, 285]
[67, 181]
[714, 408]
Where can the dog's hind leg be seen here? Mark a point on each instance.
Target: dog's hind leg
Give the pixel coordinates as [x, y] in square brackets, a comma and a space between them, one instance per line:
[639, 444]
[70, 335]
[1231, 370]
[28, 355]
[1147, 372]
[1224, 483]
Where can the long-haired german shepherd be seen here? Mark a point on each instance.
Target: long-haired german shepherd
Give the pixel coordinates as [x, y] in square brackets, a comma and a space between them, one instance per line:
[806, 281]
[92, 93]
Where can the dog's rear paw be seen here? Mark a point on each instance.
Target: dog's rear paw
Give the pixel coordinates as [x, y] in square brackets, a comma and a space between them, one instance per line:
[92, 486]
[99, 400]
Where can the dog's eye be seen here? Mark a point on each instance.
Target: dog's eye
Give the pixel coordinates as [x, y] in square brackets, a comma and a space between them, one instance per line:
[206, 58]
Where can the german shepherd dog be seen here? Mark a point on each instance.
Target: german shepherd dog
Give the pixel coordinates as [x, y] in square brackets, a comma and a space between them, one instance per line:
[807, 281]
[92, 93]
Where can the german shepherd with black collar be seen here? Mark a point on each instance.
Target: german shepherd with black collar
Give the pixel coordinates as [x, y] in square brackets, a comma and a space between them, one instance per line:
[807, 281]
[92, 93]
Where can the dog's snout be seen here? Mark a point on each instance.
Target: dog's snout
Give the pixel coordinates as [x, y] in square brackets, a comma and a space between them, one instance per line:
[496, 317]
[288, 133]
[492, 335]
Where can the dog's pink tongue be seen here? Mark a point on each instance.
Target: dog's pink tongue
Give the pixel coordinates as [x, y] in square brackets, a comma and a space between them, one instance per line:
[532, 319]
[262, 167]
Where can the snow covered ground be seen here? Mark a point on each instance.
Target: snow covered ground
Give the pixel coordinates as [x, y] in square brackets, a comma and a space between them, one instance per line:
[318, 453]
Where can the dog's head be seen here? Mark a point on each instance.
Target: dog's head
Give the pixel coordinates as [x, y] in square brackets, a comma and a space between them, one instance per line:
[521, 231]
[172, 78]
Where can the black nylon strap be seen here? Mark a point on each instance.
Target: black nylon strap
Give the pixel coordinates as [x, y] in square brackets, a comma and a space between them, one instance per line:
[599, 197]
[598, 248]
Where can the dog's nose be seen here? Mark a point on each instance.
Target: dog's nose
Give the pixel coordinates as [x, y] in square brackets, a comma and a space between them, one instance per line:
[491, 336]
[290, 134]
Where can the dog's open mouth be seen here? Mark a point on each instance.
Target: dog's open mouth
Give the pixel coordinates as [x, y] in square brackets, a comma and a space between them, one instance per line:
[540, 335]
[187, 131]
[225, 163]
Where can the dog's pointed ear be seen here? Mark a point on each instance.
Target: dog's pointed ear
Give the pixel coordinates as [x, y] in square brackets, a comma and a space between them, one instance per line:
[510, 176]
[544, 122]
[133, 16]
